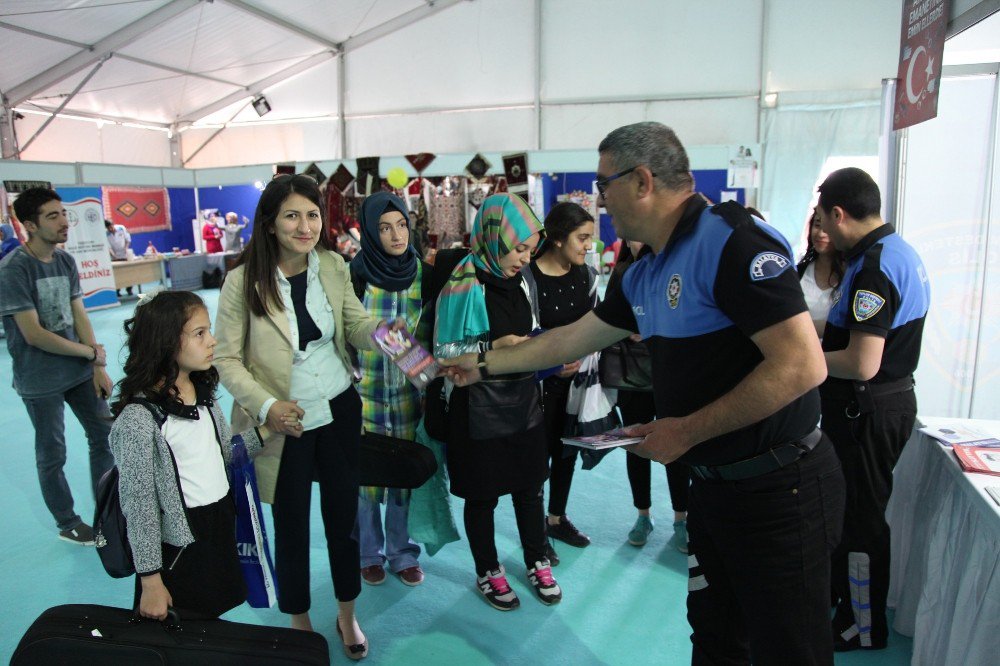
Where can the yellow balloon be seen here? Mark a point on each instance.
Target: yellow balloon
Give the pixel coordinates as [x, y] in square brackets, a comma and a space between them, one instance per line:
[397, 177]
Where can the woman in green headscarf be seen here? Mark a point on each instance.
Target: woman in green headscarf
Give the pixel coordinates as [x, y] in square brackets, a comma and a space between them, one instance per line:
[496, 444]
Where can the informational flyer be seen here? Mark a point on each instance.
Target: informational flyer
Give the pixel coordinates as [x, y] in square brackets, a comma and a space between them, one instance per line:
[402, 349]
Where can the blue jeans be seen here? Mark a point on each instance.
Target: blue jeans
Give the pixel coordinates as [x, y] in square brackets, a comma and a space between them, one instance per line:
[394, 545]
[46, 414]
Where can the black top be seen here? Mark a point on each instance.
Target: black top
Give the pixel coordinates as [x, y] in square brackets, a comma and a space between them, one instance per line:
[885, 292]
[721, 278]
[507, 305]
[308, 330]
[562, 299]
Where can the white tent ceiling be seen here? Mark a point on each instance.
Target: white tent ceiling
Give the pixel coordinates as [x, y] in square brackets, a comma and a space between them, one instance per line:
[347, 78]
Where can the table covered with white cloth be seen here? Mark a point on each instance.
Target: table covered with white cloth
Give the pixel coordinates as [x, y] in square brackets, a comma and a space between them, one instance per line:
[945, 575]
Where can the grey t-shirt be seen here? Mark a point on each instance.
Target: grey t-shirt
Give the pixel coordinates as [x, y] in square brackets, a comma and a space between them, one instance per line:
[47, 288]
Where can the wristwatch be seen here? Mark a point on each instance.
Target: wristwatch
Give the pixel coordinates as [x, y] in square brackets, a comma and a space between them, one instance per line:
[481, 364]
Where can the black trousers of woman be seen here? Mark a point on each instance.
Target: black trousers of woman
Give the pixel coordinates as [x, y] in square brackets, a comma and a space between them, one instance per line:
[330, 454]
[562, 458]
[479, 528]
[638, 407]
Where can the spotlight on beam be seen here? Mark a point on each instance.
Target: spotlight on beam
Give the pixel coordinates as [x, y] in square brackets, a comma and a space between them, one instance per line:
[260, 105]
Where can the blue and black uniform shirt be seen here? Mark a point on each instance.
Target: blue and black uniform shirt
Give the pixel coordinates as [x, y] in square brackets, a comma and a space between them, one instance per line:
[697, 303]
[885, 291]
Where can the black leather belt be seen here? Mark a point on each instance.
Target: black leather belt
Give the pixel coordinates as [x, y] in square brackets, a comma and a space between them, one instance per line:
[768, 461]
[862, 396]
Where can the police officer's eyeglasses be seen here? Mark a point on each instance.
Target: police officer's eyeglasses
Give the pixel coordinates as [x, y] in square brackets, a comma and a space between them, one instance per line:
[602, 183]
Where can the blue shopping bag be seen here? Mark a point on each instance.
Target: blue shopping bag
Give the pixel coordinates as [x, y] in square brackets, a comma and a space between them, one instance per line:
[251, 536]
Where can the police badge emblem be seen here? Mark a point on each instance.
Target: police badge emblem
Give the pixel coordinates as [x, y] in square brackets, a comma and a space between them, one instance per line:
[866, 304]
[674, 291]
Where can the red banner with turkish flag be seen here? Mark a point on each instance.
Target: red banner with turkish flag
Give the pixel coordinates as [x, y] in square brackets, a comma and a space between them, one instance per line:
[140, 209]
[921, 50]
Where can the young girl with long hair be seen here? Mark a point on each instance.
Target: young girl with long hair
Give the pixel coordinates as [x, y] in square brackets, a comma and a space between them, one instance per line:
[286, 314]
[172, 443]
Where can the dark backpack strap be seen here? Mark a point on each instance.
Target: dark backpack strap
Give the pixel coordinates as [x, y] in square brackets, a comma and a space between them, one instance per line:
[159, 416]
[359, 284]
[734, 214]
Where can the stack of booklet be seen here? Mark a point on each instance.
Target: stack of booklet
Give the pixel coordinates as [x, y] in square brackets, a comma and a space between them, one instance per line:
[976, 451]
[606, 440]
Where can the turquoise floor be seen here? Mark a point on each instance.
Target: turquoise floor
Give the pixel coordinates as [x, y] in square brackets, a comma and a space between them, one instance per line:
[623, 605]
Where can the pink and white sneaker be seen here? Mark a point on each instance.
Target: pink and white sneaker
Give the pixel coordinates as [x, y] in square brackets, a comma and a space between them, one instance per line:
[494, 587]
[540, 577]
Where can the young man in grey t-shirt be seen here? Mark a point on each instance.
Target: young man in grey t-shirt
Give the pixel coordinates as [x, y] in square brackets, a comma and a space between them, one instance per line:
[55, 356]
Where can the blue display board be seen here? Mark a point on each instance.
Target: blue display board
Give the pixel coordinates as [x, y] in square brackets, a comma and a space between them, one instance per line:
[710, 182]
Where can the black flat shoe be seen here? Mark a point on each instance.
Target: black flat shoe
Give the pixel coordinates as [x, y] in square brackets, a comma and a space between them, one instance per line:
[356, 652]
[566, 532]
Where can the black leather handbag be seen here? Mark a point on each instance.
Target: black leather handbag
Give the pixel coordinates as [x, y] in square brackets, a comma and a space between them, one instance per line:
[504, 407]
[626, 366]
[390, 462]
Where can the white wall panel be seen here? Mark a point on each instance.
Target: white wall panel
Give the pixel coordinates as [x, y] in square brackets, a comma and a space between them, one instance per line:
[64, 140]
[472, 54]
[262, 144]
[644, 48]
[134, 145]
[719, 121]
[819, 45]
[502, 130]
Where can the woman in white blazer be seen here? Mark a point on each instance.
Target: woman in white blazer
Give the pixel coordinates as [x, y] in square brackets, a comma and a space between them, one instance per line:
[285, 315]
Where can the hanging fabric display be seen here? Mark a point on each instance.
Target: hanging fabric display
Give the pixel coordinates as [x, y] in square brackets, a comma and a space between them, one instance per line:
[368, 180]
[447, 214]
[420, 161]
[515, 168]
[342, 178]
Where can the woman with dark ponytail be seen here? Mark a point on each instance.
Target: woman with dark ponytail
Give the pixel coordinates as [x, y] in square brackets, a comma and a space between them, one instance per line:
[563, 289]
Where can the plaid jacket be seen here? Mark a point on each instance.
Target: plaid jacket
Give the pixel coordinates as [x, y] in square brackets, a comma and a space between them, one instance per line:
[391, 404]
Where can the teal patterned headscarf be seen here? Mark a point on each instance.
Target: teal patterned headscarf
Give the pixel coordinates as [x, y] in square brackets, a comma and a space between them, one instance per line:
[503, 222]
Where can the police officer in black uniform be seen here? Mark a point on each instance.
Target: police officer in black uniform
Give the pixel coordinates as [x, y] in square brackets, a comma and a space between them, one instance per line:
[736, 365]
[872, 345]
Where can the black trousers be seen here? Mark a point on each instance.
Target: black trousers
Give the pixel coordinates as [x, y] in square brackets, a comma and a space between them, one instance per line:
[640, 478]
[530, 527]
[562, 458]
[868, 447]
[637, 407]
[760, 563]
[329, 454]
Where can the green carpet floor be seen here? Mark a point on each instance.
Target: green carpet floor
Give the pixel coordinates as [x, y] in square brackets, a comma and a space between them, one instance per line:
[622, 605]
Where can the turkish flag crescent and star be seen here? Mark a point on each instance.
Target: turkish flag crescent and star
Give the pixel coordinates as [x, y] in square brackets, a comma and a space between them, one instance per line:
[140, 209]
[921, 50]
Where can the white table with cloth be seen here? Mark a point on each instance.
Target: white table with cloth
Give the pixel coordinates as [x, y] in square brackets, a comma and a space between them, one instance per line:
[945, 575]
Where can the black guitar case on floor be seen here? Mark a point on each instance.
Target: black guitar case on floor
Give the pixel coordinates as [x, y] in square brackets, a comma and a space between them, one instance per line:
[98, 635]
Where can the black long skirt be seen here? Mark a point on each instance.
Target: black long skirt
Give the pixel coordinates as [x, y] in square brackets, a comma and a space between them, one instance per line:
[204, 579]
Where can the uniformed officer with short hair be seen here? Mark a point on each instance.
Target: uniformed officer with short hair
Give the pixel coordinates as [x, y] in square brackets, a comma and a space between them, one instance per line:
[872, 345]
[736, 363]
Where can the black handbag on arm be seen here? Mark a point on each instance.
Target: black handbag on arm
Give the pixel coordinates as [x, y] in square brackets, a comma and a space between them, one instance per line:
[626, 366]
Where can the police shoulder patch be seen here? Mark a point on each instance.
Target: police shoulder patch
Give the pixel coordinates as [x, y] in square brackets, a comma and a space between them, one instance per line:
[866, 304]
[767, 265]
